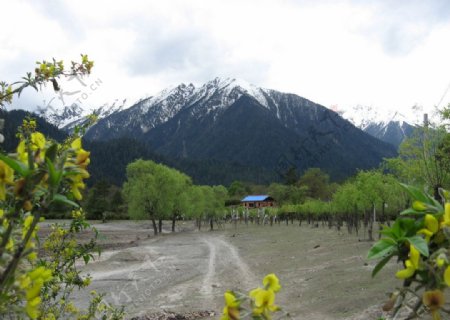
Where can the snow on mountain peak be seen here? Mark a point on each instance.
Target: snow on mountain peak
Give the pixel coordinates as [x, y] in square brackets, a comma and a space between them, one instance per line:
[228, 85]
[168, 101]
[67, 116]
[165, 104]
[363, 116]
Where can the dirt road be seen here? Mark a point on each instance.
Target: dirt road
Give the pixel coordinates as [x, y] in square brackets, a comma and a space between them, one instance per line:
[173, 272]
[324, 274]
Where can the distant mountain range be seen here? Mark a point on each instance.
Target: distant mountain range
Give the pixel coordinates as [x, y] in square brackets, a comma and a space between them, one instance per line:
[235, 130]
[391, 127]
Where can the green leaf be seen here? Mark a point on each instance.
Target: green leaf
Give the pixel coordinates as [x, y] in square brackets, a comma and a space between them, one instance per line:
[407, 227]
[54, 175]
[420, 244]
[415, 193]
[381, 248]
[17, 166]
[51, 152]
[381, 264]
[63, 199]
[411, 211]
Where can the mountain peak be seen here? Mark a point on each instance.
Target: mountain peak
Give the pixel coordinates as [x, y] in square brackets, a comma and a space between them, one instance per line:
[229, 85]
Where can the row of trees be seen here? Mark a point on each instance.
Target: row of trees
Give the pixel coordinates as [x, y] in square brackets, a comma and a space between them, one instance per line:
[156, 192]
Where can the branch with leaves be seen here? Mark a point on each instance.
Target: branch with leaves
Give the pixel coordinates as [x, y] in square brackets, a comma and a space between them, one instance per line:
[45, 72]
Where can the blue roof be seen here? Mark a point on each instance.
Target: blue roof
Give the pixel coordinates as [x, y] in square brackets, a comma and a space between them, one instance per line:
[255, 198]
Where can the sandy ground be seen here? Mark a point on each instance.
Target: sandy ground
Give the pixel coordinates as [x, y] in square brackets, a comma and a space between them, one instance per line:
[324, 274]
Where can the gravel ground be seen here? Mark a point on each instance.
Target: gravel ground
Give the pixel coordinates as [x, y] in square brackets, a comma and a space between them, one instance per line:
[324, 274]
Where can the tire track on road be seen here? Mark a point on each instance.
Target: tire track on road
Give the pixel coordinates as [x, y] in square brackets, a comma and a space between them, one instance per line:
[207, 280]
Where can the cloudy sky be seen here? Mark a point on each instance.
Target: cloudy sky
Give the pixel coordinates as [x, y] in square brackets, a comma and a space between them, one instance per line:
[384, 54]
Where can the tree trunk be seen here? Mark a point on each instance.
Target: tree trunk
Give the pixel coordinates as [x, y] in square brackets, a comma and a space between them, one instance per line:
[155, 228]
[211, 224]
[174, 218]
[160, 225]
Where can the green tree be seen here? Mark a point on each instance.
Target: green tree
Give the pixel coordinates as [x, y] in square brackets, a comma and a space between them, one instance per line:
[117, 203]
[197, 204]
[237, 189]
[181, 185]
[423, 159]
[291, 176]
[97, 203]
[317, 183]
[149, 191]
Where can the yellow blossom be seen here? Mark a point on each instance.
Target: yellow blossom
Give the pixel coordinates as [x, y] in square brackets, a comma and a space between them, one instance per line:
[22, 153]
[77, 214]
[231, 309]
[6, 177]
[431, 227]
[431, 223]
[32, 256]
[427, 233]
[37, 141]
[76, 185]
[76, 144]
[271, 282]
[32, 283]
[441, 260]
[411, 265]
[447, 276]
[264, 302]
[419, 206]
[445, 222]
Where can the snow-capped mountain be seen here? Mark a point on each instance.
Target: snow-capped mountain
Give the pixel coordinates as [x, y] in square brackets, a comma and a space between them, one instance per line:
[230, 120]
[389, 126]
[66, 117]
[212, 98]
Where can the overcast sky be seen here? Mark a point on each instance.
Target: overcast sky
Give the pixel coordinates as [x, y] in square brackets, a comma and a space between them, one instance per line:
[385, 54]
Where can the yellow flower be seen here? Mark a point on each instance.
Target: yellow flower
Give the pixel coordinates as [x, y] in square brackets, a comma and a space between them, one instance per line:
[419, 206]
[76, 144]
[27, 225]
[77, 214]
[431, 227]
[32, 256]
[231, 309]
[414, 256]
[447, 276]
[271, 282]
[32, 308]
[83, 158]
[434, 300]
[431, 223]
[264, 302]
[445, 222]
[441, 260]
[32, 284]
[6, 177]
[37, 141]
[407, 272]
[77, 184]
[411, 265]
[22, 153]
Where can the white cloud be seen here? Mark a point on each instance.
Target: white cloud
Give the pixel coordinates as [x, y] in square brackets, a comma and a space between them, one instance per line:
[385, 54]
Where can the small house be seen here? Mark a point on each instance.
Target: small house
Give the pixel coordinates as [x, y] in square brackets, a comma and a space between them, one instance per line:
[258, 201]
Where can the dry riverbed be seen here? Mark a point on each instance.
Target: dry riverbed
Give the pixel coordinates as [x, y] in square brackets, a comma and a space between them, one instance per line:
[324, 274]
